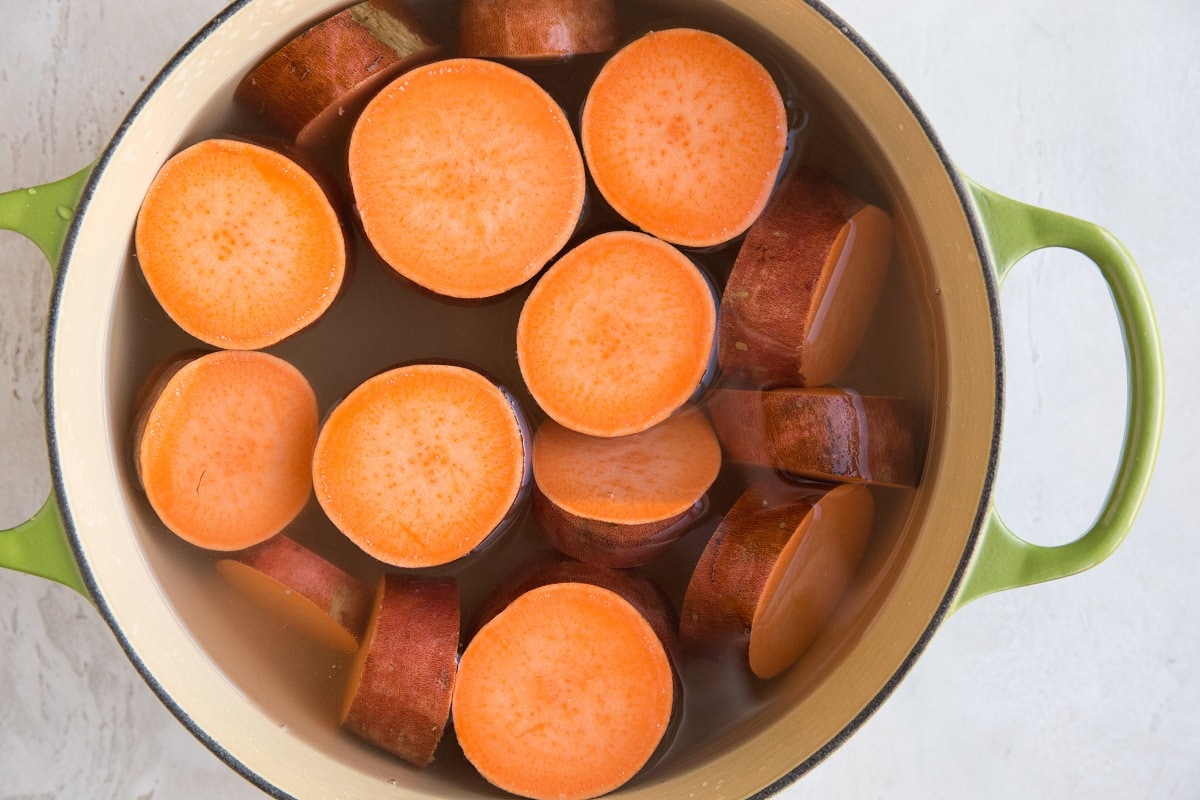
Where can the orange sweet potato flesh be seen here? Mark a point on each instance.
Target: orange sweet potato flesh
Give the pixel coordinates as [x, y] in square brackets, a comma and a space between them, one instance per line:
[826, 434]
[617, 335]
[301, 588]
[684, 134]
[467, 177]
[402, 680]
[224, 447]
[239, 244]
[631, 584]
[537, 29]
[805, 284]
[565, 694]
[314, 87]
[774, 572]
[420, 464]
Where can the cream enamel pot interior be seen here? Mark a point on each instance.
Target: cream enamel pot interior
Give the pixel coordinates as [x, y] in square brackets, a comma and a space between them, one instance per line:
[95, 534]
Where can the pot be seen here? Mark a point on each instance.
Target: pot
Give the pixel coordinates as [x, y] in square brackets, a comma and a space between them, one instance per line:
[959, 241]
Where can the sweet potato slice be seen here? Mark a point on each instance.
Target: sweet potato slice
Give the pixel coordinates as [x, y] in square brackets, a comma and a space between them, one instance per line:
[631, 584]
[565, 694]
[314, 87]
[617, 335]
[805, 285]
[467, 177]
[223, 447]
[403, 678]
[684, 135]
[774, 572]
[618, 502]
[300, 587]
[418, 466]
[537, 29]
[239, 244]
[826, 434]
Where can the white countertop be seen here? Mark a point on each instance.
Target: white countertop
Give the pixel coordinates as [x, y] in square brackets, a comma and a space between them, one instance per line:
[1087, 687]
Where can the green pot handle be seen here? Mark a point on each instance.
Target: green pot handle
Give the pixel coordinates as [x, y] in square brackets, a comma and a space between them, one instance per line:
[1003, 560]
[43, 215]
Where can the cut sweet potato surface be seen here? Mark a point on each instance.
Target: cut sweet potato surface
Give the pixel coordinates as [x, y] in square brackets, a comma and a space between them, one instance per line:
[805, 285]
[301, 588]
[419, 465]
[467, 177]
[825, 434]
[775, 571]
[617, 335]
[631, 584]
[537, 29]
[314, 86]
[644, 477]
[684, 134]
[565, 694]
[226, 449]
[239, 244]
[402, 680]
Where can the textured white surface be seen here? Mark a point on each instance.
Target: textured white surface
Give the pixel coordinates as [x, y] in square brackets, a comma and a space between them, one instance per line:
[1086, 687]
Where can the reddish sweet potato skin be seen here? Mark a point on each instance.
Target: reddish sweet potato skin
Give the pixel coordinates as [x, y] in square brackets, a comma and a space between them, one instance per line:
[766, 305]
[641, 592]
[403, 697]
[333, 65]
[537, 29]
[609, 544]
[343, 596]
[825, 434]
[730, 576]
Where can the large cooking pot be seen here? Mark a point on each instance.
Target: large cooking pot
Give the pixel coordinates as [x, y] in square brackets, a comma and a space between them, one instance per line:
[958, 240]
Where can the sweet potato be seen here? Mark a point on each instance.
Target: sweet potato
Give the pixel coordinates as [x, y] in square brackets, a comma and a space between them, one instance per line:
[467, 177]
[825, 434]
[684, 134]
[314, 87]
[774, 572]
[309, 593]
[240, 245]
[618, 502]
[617, 335]
[222, 447]
[536, 29]
[805, 285]
[565, 694]
[419, 465]
[403, 678]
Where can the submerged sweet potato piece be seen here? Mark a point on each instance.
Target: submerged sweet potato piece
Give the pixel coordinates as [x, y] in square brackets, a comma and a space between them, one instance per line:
[774, 572]
[223, 445]
[240, 245]
[825, 434]
[467, 177]
[536, 29]
[805, 285]
[617, 335]
[421, 464]
[403, 677]
[564, 695]
[620, 501]
[684, 134]
[314, 87]
[309, 593]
